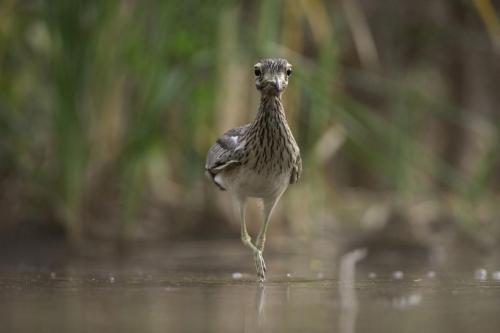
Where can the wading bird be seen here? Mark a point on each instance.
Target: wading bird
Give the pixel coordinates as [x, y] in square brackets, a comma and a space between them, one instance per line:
[260, 159]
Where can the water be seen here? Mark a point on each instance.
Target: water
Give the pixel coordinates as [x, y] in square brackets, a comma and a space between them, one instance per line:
[207, 287]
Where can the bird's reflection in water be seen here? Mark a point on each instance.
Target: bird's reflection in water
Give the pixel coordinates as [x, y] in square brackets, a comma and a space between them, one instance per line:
[348, 297]
[260, 301]
[347, 292]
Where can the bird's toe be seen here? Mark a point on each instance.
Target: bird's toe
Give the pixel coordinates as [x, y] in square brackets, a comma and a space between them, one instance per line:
[260, 266]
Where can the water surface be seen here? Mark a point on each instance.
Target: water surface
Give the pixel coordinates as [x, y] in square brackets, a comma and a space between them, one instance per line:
[208, 287]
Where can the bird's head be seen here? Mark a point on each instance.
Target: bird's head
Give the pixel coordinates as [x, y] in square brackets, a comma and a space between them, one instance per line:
[271, 75]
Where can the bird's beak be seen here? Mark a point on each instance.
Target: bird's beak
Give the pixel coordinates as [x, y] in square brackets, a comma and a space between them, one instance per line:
[277, 83]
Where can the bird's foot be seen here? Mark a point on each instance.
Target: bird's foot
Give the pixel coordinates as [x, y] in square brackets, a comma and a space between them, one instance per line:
[260, 265]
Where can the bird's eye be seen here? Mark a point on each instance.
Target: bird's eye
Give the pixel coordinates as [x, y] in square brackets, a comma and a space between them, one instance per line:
[257, 72]
[289, 71]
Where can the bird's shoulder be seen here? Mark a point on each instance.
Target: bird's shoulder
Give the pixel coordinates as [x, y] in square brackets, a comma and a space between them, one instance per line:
[224, 152]
[231, 138]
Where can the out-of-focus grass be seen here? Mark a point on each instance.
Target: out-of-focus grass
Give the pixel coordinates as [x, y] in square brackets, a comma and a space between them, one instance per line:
[108, 107]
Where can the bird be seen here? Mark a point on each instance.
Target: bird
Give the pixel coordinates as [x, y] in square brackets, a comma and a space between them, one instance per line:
[259, 159]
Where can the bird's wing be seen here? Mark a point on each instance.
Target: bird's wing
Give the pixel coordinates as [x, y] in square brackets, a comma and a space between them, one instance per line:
[224, 152]
[296, 170]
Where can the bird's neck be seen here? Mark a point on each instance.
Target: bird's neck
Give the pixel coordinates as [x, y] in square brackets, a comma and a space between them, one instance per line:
[269, 140]
[271, 111]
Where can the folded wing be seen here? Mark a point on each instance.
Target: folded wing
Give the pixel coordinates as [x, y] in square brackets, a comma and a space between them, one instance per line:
[224, 152]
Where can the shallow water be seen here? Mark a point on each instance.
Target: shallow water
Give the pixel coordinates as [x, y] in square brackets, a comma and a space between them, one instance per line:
[207, 287]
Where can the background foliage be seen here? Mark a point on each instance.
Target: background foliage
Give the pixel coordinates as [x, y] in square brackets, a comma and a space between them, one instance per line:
[107, 109]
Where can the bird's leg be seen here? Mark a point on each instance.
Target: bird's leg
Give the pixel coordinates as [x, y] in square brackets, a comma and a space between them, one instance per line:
[268, 209]
[247, 241]
[245, 237]
[261, 238]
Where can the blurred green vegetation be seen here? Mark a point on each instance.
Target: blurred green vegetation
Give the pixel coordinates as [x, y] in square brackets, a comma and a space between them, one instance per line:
[107, 109]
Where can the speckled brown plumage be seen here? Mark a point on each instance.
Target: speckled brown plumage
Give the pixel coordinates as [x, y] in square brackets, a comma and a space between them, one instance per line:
[259, 159]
